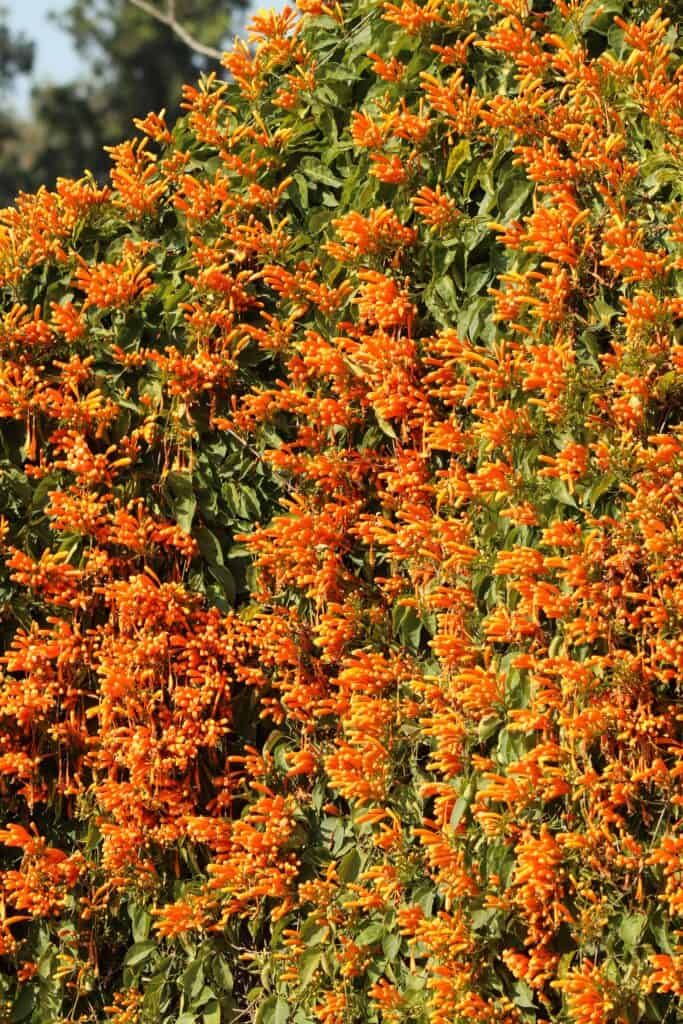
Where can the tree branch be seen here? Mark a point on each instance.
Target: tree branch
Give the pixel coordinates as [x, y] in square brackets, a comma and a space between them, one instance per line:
[168, 18]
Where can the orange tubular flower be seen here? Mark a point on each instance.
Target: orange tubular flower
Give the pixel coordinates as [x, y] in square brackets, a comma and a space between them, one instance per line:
[388, 168]
[114, 285]
[390, 71]
[436, 209]
[411, 17]
[382, 302]
[590, 997]
[135, 174]
[379, 232]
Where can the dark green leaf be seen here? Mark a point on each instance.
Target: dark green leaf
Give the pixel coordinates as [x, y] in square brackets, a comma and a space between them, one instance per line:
[24, 1004]
[183, 500]
[209, 545]
[407, 625]
[349, 866]
[193, 980]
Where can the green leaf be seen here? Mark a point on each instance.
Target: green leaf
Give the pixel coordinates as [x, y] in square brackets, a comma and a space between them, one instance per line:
[481, 919]
[316, 171]
[560, 492]
[524, 996]
[250, 503]
[313, 932]
[456, 157]
[596, 490]
[274, 1010]
[309, 962]
[141, 921]
[631, 928]
[391, 945]
[429, 622]
[209, 545]
[180, 484]
[512, 746]
[318, 221]
[41, 492]
[222, 973]
[440, 297]
[349, 866]
[192, 980]
[371, 934]
[154, 991]
[204, 996]
[565, 963]
[462, 803]
[472, 316]
[477, 277]
[416, 982]
[241, 500]
[224, 590]
[151, 387]
[386, 427]
[302, 189]
[407, 625]
[487, 727]
[512, 195]
[183, 500]
[605, 311]
[445, 289]
[24, 1004]
[212, 1012]
[139, 952]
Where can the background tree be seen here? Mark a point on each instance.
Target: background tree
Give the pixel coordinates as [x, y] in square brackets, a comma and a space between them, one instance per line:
[134, 62]
[16, 52]
[16, 58]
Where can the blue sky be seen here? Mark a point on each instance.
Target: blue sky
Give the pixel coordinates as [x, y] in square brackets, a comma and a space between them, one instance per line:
[55, 60]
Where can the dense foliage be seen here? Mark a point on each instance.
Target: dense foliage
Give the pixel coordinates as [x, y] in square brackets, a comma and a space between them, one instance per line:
[341, 495]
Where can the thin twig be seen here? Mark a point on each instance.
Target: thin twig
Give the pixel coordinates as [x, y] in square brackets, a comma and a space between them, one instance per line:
[168, 18]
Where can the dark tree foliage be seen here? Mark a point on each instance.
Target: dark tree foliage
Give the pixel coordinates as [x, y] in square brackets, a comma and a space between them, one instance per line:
[133, 64]
[16, 52]
[16, 58]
